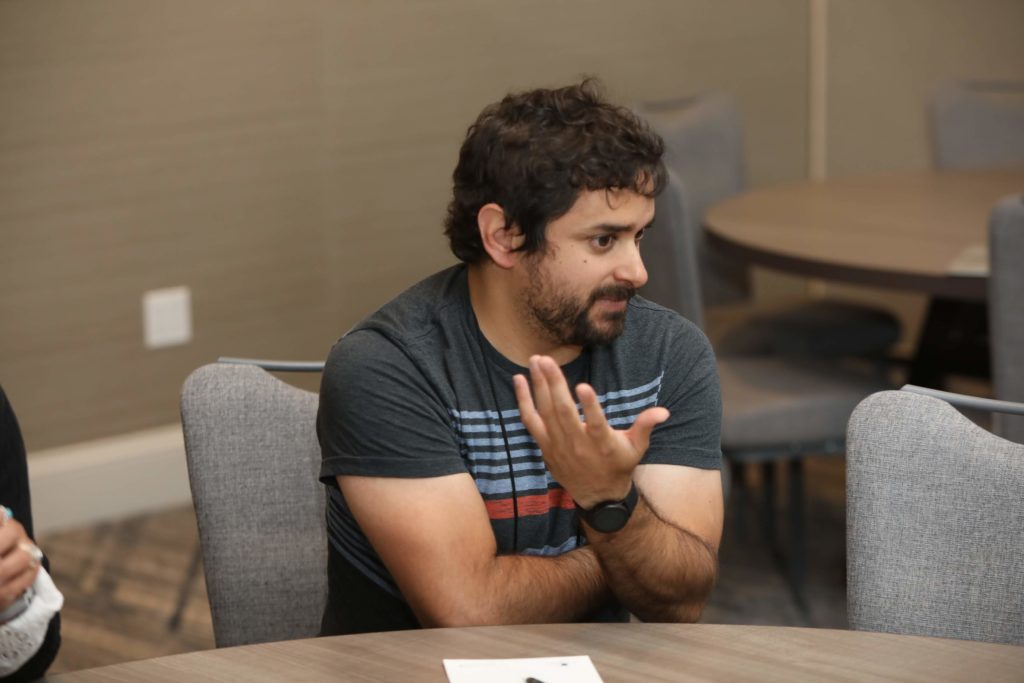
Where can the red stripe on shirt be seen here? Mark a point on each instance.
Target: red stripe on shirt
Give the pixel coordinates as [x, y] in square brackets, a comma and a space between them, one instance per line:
[539, 504]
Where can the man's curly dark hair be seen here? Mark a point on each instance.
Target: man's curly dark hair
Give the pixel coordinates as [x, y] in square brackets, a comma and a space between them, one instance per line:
[534, 152]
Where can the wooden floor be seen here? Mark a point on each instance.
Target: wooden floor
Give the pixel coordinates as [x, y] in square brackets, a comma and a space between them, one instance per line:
[121, 584]
[122, 581]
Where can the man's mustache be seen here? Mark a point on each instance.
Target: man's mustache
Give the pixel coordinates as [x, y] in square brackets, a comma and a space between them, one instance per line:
[613, 293]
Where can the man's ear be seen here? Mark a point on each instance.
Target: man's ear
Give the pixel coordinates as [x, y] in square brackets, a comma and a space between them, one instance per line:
[499, 239]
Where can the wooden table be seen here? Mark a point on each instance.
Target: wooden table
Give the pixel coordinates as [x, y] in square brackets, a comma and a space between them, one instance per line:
[901, 230]
[621, 652]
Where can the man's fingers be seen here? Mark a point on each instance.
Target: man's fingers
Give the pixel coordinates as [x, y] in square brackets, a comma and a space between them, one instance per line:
[541, 390]
[640, 432]
[554, 403]
[554, 376]
[563, 404]
[592, 411]
[527, 412]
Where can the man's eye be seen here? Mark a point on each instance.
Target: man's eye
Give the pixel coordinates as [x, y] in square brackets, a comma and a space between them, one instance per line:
[603, 241]
[640, 234]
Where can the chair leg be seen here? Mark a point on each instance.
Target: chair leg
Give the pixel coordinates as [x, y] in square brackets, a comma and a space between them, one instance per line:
[797, 550]
[768, 508]
[790, 562]
[174, 623]
[739, 491]
[954, 338]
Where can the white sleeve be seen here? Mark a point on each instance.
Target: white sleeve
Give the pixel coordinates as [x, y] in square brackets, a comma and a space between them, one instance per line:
[22, 636]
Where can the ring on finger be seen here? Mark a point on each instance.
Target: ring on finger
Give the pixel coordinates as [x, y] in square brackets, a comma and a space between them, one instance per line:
[33, 551]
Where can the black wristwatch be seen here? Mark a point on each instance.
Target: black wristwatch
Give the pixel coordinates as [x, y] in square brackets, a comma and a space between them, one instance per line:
[610, 515]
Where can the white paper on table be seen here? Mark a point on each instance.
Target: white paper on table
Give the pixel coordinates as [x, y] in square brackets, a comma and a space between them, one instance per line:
[971, 262]
[545, 669]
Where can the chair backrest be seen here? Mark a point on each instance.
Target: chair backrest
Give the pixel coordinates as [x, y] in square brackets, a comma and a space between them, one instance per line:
[1006, 311]
[669, 252]
[978, 124]
[253, 464]
[935, 522]
[703, 138]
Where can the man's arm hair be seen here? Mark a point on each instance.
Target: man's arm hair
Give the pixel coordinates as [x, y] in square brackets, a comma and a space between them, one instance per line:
[435, 538]
[660, 567]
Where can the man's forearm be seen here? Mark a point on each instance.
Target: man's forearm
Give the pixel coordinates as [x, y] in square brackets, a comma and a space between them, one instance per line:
[522, 589]
[657, 570]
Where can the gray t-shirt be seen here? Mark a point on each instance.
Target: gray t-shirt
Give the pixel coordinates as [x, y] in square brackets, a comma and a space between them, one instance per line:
[414, 391]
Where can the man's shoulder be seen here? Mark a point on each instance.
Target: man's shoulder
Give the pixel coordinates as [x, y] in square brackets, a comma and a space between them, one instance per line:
[409, 326]
[418, 310]
[649, 322]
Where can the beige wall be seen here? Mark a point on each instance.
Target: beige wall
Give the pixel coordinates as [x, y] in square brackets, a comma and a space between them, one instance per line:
[147, 145]
[290, 161]
[885, 57]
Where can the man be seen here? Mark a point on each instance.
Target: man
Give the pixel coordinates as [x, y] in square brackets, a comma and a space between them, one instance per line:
[464, 488]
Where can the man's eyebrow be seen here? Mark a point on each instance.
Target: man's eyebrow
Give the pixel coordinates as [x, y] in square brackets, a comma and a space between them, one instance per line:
[616, 228]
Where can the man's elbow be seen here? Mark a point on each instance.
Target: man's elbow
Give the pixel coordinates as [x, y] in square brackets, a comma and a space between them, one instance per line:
[684, 604]
[456, 614]
[686, 611]
[689, 612]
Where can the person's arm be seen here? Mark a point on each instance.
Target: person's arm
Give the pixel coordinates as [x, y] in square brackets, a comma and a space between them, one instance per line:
[18, 567]
[388, 444]
[662, 564]
[14, 492]
[435, 538]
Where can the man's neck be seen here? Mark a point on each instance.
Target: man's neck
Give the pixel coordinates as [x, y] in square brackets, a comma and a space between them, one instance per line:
[495, 295]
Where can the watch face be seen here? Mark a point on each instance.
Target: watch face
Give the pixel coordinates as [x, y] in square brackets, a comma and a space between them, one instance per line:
[609, 518]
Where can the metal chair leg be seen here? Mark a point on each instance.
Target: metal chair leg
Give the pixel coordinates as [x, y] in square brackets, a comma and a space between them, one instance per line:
[174, 623]
[797, 547]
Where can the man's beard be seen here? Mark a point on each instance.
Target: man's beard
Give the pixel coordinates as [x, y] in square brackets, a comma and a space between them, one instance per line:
[568, 321]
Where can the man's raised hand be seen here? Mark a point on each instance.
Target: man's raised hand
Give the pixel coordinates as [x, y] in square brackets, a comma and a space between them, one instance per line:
[592, 460]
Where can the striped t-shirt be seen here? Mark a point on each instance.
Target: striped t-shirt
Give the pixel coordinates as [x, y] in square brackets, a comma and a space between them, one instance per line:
[415, 391]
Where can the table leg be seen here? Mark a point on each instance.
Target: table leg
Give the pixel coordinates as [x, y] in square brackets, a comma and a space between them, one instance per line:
[954, 339]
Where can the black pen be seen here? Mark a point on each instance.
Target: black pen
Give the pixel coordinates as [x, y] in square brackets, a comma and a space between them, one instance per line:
[531, 679]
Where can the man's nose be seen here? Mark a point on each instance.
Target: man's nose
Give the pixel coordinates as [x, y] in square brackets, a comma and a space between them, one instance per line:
[632, 269]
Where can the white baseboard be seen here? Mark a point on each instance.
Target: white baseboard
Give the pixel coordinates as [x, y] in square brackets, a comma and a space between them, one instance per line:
[108, 479]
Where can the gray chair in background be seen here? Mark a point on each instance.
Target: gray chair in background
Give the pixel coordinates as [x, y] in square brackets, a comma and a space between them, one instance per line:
[704, 147]
[935, 522]
[1006, 310]
[978, 124]
[253, 463]
[776, 409]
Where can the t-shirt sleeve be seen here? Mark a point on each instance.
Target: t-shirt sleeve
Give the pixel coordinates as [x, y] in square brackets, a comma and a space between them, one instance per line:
[692, 435]
[379, 415]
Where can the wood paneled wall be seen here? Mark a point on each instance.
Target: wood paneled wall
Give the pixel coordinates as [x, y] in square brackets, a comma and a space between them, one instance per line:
[290, 161]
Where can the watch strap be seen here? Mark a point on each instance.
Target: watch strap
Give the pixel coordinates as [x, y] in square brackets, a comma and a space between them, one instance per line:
[623, 509]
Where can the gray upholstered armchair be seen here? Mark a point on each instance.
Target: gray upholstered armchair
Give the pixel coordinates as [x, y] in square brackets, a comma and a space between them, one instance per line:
[935, 522]
[253, 461]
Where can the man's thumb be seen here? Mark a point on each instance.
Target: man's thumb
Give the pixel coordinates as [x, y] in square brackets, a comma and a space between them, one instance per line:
[645, 423]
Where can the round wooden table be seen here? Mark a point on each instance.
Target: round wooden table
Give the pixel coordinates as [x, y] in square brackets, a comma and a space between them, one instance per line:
[906, 230]
[620, 652]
